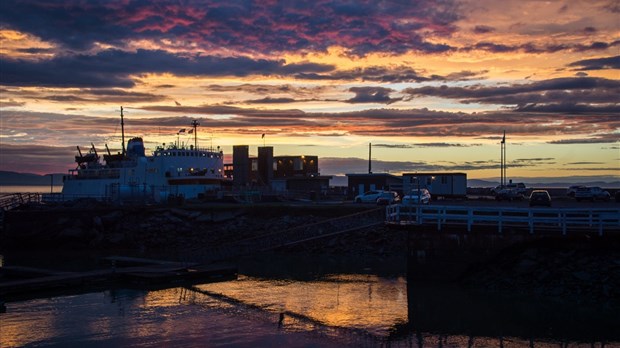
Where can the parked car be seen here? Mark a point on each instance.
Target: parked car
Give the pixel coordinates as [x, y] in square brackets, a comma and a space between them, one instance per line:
[540, 197]
[377, 196]
[591, 193]
[572, 189]
[421, 196]
[509, 195]
[518, 187]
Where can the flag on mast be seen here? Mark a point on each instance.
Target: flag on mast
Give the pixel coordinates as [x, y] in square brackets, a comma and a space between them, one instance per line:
[263, 136]
[182, 130]
[504, 138]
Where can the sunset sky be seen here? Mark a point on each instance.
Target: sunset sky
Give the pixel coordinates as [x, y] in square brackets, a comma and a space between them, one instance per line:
[431, 84]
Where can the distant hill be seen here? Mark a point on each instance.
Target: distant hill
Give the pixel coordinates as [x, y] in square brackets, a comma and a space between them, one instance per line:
[26, 179]
[550, 182]
[16, 179]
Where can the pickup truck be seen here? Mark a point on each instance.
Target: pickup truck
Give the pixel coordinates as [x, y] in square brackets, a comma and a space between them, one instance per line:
[591, 193]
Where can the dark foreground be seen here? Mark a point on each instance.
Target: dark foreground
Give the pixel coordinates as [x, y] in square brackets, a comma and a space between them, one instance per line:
[366, 287]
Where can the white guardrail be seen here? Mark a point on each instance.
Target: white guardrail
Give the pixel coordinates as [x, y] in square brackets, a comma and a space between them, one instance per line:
[533, 219]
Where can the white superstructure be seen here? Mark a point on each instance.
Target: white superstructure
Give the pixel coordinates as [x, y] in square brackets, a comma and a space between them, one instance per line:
[174, 171]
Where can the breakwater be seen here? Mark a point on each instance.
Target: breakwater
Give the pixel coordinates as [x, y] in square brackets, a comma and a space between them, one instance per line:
[583, 266]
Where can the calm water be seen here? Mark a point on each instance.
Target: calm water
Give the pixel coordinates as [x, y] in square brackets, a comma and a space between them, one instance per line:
[30, 188]
[326, 302]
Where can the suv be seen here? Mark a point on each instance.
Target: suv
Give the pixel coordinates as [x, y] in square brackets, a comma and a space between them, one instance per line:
[421, 196]
[540, 197]
[377, 196]
[591, 193]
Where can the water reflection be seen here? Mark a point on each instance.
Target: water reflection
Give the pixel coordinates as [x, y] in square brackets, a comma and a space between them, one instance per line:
[324, 303]
[355, 301]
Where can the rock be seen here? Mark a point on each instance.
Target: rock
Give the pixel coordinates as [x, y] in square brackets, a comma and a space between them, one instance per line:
[582, 275]
[115, 238]
[112, 217]
[71, 232]
[97, 223]
[204, 218]
[525, 265]
[542, 275]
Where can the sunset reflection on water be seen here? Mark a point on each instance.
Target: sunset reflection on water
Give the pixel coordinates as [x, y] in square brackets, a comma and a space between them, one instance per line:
[355, 301]
[322, 305]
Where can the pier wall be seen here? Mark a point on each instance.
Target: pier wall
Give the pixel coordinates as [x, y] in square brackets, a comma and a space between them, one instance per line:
[454, 253]
[447, 255]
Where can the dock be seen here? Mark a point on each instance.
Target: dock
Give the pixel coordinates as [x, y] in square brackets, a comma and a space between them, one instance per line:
[26, 282]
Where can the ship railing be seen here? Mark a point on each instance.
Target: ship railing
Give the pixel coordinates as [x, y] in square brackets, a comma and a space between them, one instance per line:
[93, 174]
[174, 147]
[529, 219]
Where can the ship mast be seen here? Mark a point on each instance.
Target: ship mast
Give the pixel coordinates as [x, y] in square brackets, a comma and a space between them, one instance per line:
[122, 132]
[195, 124]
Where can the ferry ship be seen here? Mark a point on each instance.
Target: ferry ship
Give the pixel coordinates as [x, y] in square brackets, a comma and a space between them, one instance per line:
[172, 172]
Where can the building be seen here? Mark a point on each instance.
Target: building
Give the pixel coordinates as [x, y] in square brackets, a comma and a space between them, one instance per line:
[438, 184]
[241, 166]
[265, 165]
[297, 175]
[289, 166]
[360, 183]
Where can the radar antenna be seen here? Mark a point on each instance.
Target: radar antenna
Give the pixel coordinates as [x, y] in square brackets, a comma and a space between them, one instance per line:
[195, 124]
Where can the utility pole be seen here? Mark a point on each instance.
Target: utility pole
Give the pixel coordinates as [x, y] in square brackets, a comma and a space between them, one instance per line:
[502, 166]
[369, 158]
[122, 132]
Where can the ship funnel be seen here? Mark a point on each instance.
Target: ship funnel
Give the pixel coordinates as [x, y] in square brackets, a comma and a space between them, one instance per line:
[135, 147]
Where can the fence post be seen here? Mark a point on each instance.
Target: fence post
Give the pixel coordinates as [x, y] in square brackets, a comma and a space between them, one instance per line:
[500, 222]
[563, 222]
